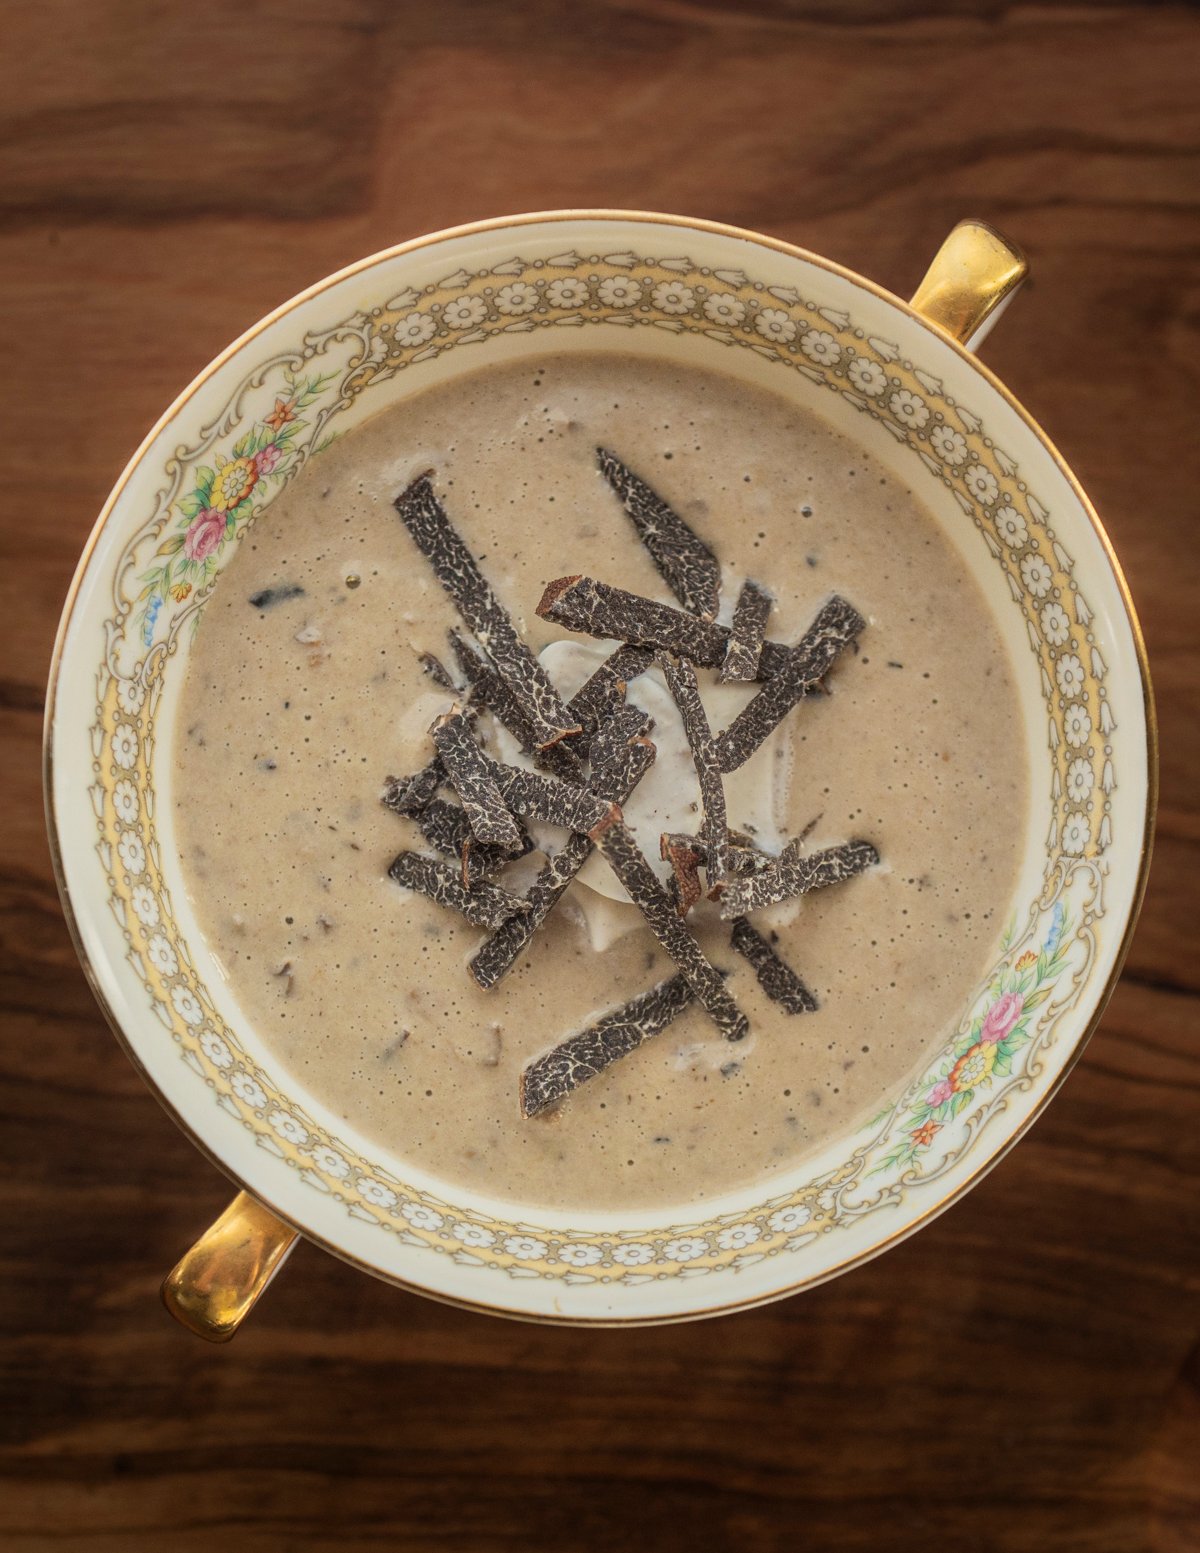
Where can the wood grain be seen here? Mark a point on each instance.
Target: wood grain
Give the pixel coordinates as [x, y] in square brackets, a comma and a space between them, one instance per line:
[1025, 1373]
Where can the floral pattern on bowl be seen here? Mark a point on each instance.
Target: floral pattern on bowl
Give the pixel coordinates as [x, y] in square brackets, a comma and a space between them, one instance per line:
[227, 495]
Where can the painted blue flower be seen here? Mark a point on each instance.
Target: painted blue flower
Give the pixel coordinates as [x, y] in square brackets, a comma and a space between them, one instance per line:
[152, 610]
[1054, 936]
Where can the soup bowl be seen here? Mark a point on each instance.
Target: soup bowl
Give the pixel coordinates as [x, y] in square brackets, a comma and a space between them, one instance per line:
[899, 378]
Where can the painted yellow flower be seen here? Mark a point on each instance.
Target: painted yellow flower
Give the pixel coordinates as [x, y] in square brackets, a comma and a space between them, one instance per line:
[972, 1067]
[180, 591]
[1027, 959]
[233, 483]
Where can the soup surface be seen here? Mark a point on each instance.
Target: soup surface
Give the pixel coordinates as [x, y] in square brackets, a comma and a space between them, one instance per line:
[296, 707]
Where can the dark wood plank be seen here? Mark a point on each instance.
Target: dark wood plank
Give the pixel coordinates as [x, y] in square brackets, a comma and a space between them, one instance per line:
[1025, 1373]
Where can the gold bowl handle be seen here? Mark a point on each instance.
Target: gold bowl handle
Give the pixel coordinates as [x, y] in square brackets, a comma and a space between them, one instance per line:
[973, 277]
[214, 1286]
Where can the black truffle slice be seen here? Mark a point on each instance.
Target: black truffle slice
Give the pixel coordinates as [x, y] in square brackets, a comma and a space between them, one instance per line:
[598, 609]
[617, 777]
[409, 795]
[744, 647]
[456, 569]
[437, 671]
[447, 829]
[795, 873]
[625, 858]
[601, 695]
[609, 747]
[551, 1077]
[836, 625]
[488, 689]
[688, 566]
[470, 772]
[775, 976]
[498, 955]
[483, 905]
[741, 854]
[681, 682]
[545, 798]
[743, 857]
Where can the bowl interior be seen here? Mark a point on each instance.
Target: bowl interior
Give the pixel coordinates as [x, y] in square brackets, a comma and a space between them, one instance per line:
[393, 327]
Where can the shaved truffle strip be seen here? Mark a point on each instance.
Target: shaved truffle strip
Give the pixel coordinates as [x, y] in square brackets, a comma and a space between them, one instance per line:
[618, 777]
[686, 853]
[743, 857]
[437, 671]
[456, 569]
[409, 795]
[836, 625]
[775, 976]
[745, 644]
[546, 798]
[596, 608]
[796, 874]
[739, 858]
[681, 682]
[489, 689]
[685, 856]
[483, 905]
[551, 1077]
[498, 955]
[447, 829]
[470, 772]
[625, 858]
[609, 747]
[603, 693]
[688, 566]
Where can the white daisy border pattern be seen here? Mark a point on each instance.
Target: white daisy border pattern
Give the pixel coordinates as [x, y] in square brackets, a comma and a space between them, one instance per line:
[626, 291]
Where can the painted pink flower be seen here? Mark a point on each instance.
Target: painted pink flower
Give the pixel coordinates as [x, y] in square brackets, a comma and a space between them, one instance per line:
[205, 533]
[1001, 1017]
[940, 1093]
[266, 458]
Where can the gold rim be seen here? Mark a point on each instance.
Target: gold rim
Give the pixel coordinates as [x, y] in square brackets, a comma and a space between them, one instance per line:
[686, 223]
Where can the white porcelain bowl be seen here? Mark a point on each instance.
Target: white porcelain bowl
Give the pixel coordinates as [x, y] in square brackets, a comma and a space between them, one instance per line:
[687, 291]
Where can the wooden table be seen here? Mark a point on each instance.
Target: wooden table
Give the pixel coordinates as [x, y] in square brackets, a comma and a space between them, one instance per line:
[1022, 1375]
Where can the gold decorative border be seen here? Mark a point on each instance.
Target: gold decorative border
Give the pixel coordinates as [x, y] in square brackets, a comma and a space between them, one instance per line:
[629, 291]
